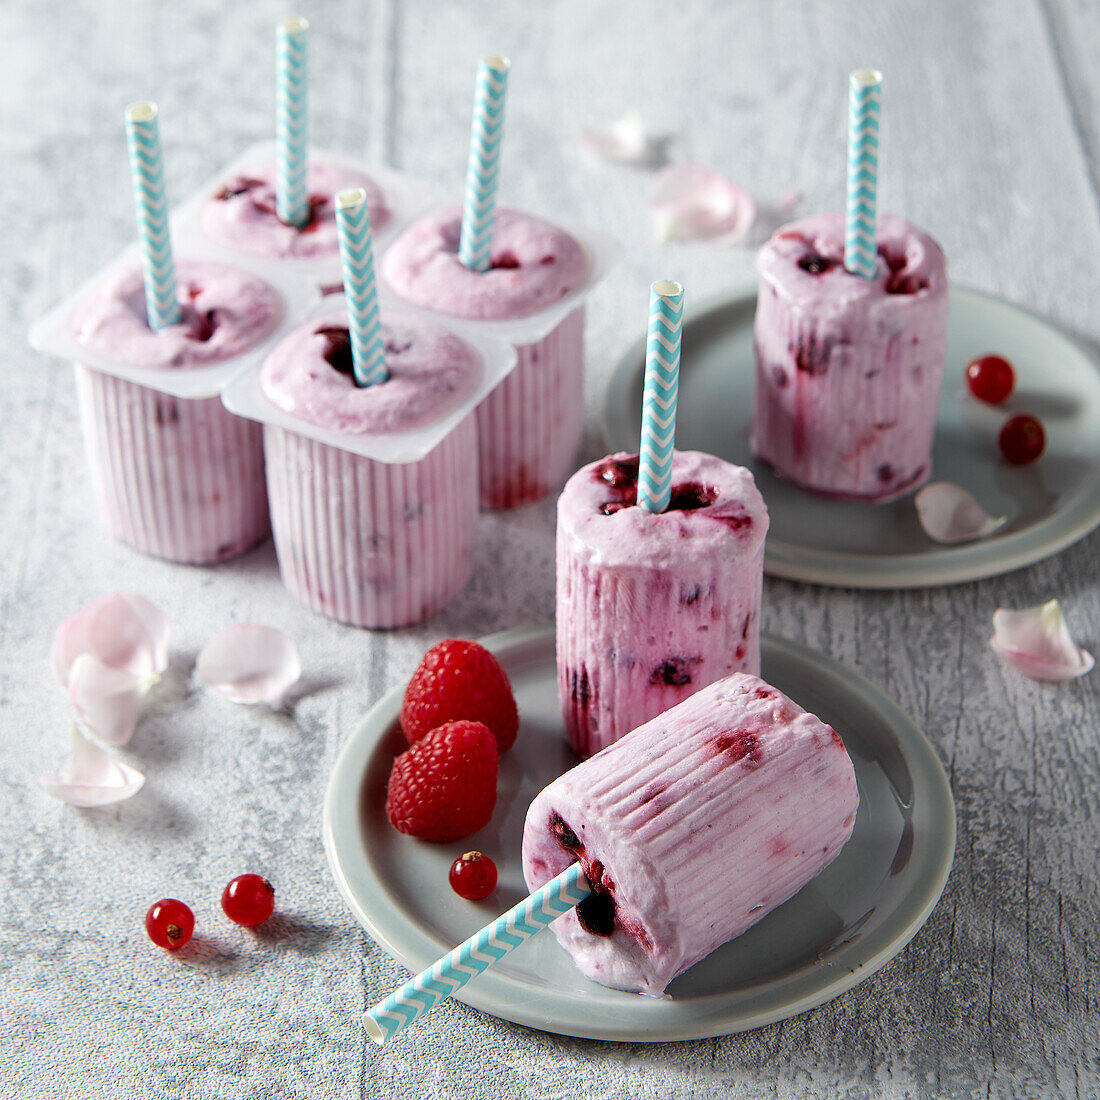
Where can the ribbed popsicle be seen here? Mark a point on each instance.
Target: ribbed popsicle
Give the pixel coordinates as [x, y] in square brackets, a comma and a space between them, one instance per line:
[691, 828]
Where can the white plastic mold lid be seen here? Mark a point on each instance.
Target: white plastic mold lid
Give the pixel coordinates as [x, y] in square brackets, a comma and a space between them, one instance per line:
[245, 396]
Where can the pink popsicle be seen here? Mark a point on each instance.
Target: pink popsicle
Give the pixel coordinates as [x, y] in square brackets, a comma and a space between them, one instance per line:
[650, 608]
[691, 829]
[848, 370]
[529, 427]
[178, 478]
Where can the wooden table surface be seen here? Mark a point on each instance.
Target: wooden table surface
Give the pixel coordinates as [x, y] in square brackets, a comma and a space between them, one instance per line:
[991, 141]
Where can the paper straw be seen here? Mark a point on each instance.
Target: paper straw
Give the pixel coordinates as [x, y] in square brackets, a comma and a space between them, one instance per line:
[476, 955]
[864, 111]
[368, 353]
[291, 121]
[482, 173]
[147, 174]
[662, 384]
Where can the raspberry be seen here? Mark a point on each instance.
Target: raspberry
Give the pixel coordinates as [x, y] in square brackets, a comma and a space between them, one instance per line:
[445, 786]
[460, 680]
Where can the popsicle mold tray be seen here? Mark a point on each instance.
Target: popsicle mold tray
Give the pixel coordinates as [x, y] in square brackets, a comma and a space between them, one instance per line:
[299, 282]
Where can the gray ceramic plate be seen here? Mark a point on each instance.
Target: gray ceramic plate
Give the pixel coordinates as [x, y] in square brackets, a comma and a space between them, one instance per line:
[1050, 504]
[851, 920]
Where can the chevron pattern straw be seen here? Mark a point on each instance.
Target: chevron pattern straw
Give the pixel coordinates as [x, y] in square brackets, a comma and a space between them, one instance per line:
[482, 169]
[476, 955]
[147, 174]
[662, 385]
[368, 354]
[291, 121]
[864, 113]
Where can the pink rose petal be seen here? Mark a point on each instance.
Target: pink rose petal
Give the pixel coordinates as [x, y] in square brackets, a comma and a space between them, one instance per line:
[1038, 643]
[693, 202]
[249, 663]
[948, 513]
[628, 142]
[91, 777]
[123, 631]
[107, 700]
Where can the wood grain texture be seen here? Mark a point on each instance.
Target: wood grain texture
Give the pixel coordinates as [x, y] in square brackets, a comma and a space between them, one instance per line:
[991, 142]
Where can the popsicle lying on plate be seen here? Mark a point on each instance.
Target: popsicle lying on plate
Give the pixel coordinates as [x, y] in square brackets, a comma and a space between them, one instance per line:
[690, 829]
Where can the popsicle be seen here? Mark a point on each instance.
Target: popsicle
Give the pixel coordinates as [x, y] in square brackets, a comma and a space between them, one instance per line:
[178, 478]
[650, 608]
[848, 369]
[691, 829]
[367, 542]
[529, 427]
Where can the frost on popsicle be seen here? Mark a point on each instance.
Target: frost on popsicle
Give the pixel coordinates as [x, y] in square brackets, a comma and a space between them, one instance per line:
[91, 777]
[249, 663]
[948, 513]
[1037, 642]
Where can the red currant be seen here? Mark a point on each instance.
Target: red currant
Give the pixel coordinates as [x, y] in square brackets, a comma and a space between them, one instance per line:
[249, 900]
[1022, 439]
[990, 378]
[169, 923]
[473, 876]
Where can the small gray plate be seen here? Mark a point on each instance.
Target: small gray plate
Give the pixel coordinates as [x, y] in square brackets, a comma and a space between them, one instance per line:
[1049, 504]
[851, 920]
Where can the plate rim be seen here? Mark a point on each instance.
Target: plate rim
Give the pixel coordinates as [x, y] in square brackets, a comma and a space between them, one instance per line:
[342, 795]
[950, 564]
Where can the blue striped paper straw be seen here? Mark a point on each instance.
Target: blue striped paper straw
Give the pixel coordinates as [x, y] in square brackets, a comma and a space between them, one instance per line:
[368, 353]
[476, 955]
[291, 121]
[147, 175]
[864, 112]
[662, 385]
[482, 169]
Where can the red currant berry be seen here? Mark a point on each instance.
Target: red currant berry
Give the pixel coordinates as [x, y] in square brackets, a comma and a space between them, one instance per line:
[990, 378]
[473, 876]
[169, 923]
[249, 900]
[1022, 439]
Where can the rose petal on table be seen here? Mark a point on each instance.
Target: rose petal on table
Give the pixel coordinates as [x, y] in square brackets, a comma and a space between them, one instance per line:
[92, 777]
[628, 142]
[107, 700]
[1037, 642]
[249, 663]
[693, 202]
[123, 630]
[948, 513]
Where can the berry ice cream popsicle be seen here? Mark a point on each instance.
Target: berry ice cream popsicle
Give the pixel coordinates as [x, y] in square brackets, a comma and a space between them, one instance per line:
[241, 214]
[691, 829]
[653, 607]
[367, 542]
[178, 478]
[529, 427]
[848, 369]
